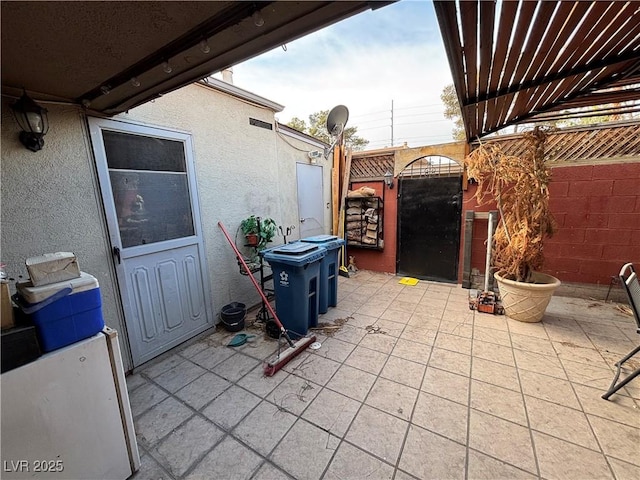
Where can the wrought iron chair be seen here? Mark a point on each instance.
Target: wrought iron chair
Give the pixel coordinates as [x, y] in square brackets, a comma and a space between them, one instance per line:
[629, 281]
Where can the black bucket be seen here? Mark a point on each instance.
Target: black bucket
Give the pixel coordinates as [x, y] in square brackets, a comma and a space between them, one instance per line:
[232, 316]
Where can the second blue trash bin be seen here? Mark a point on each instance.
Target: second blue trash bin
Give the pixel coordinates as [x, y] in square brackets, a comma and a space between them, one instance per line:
[296, 280]
[328, 270]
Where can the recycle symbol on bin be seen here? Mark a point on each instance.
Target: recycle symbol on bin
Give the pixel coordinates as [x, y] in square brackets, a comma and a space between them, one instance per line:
[284, 277]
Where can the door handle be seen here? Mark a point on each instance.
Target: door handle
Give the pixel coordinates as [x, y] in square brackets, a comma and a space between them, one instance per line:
[116, 253]
[302, 220]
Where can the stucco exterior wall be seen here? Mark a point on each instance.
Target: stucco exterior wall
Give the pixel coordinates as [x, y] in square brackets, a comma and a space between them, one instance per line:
[240, 169]
[50, 203]
[51, 200]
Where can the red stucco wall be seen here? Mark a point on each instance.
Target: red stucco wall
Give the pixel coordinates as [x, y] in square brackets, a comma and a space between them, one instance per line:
[380, 260]
[597, 209]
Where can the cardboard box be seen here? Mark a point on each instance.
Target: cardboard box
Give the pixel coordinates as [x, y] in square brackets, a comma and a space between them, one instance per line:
[52, 267]
[6, 313]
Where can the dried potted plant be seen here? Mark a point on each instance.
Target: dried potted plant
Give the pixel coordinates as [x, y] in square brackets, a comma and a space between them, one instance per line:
[519, 185]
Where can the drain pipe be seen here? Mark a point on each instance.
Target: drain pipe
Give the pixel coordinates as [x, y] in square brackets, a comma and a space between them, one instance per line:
[487, 265]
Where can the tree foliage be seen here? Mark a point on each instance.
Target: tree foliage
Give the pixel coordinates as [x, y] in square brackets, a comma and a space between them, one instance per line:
[317, 128]
[452, 111]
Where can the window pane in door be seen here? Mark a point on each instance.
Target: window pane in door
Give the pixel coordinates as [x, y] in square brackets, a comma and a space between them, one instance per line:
[151, 206]
[138, 152]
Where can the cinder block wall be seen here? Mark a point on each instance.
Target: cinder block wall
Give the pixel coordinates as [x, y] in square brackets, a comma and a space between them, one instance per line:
[597, 209]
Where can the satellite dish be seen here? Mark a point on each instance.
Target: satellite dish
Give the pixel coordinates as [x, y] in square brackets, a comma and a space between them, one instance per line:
[337, 120]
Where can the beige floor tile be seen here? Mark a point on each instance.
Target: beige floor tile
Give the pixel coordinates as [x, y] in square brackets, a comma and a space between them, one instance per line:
[497, 322]
[350, 462]
[294, 394]
[202, 390]
[588, 375]
[441, 416]
[332, 412]
[445, 384]
[404, 371]
[613, 345]
[358, 320]
[548, 388]
[483, 467]
[403, 306]
[528, 329]
[412, 350]
[179, 376]
[228, 456]
[501, 439]
[425, 322]
[623, 470]
[451, 361]
[260, 347]
[571, 336]
[564, 460]
[495, 373]
[333, 314]
[379, 342]
[367, 360]
[378, 433]
[527, 343]
[162, 364]
[491, 351]
[350, 334]
[535, 362]
[335, 349]
[618, 408]
[185, 445]
[230, 407]
[212, 356]
[393, 398]
[236, 367]
[456, 328]
[411, 296]
[305, 451]
[584, 355]
[453, 343]
[427, 455]
[388, 327]
[498, 401]
[421, 334]
[561, 422]
[264, 427]
[352, 382]
[462, 317]
[400, 475]
[426, 313]
[602, 330]
[269, 472]
[617, 440]
[149, 470]
[397, 316]
[135, 381]
[316, 369]
[145, 397]
[491, 335]
[161, 419]
[372, 309]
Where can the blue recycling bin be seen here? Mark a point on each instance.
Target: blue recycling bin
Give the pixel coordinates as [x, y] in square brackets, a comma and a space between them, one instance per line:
[296, 281]
[328, 269]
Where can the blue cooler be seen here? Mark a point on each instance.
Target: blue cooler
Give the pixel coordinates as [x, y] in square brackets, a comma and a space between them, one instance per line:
[63, 312]
[296, 280]
[328, 269]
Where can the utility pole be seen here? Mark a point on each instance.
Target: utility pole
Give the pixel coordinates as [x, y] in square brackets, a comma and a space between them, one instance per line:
[392, 123]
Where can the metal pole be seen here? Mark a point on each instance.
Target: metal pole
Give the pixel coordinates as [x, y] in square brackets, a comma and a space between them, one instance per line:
[487, 265]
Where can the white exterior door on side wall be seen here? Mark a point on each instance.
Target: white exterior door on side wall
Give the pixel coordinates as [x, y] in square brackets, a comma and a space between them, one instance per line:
[310, 200]
[148, 189]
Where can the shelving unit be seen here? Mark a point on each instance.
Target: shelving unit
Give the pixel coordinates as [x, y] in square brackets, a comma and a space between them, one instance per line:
[363, 222]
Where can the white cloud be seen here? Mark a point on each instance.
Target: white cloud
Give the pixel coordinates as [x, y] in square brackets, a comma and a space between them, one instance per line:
[365, 70]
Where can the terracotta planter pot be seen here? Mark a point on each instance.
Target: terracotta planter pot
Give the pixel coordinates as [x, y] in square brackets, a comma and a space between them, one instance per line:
[526, 302]
[252, 239]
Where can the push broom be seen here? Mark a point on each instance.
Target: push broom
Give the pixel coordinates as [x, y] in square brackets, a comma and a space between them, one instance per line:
[295, 348]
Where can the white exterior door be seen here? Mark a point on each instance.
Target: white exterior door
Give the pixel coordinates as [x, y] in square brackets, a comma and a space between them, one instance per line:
[148, 189]
[310, 200]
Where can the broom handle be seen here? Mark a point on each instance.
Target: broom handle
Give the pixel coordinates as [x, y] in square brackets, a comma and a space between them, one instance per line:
[255, 284]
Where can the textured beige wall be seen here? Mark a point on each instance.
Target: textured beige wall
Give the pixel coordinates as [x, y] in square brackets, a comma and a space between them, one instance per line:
[50, 203]
[240, 169]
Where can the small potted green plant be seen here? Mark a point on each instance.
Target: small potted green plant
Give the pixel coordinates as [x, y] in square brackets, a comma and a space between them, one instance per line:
[249, 227]
[267, 230]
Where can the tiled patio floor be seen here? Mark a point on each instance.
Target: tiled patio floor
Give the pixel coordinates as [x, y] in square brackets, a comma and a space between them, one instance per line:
[437, 392]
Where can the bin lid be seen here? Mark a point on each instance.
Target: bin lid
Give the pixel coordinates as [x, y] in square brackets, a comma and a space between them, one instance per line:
[296, 254]
[329, 242]
[37, 294]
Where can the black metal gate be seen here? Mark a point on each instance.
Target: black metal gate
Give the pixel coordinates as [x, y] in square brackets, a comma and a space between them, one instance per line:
[429, 227]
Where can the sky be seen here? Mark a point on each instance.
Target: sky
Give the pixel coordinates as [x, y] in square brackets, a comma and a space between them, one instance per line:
[366, 62]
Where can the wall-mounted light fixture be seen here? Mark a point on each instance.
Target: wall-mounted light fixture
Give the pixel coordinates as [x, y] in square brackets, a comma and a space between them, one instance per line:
[388, 179]
[33, 121]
